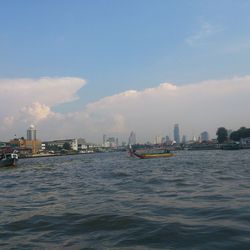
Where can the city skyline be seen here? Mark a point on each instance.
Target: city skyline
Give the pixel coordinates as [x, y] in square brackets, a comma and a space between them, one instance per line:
[114, 141]
[106, 67]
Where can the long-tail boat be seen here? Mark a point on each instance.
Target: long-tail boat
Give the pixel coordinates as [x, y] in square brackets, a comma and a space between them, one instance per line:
[157, 153]
[8, 157]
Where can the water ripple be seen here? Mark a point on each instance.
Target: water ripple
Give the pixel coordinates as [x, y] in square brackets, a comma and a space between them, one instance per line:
[196, 200]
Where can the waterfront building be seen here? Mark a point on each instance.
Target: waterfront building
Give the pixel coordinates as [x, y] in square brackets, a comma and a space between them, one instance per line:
[60, 143]
[43, 146]
[82, 144]
[26, 146]
[74, 144]
[132, 138]
[204, 136]
[158, 139]
[245, 142]
[31, 133]
[176, 133]
[111, 142]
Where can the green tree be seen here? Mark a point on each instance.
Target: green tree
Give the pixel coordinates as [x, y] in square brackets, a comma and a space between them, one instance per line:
[235, 136]
[240, 133]
[221, 135]
[66, 146]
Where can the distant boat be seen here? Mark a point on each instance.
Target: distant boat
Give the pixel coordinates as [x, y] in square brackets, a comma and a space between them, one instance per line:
[156, 153]
[231, 146]
[7, 158]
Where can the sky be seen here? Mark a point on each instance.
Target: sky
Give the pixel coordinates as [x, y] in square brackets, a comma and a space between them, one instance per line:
[84, 68]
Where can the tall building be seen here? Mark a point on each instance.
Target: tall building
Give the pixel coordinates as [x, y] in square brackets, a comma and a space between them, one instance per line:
[111, 142]
[158, 139]
[184, 139]
[204, 136]
[176, 133]
[104, 140]
[31, 133]
[167, 140]
[132, 138]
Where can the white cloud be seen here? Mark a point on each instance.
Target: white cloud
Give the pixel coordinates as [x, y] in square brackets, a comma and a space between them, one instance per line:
[36, 112]
[25, 101]
[18, 93]
[206, 30]
[196, 107]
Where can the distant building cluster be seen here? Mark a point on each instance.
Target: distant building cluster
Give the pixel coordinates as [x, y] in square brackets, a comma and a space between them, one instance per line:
[178, 139]
[32, 145]
[110, 142]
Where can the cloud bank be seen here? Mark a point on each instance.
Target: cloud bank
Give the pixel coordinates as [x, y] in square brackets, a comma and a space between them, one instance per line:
[153, 111]
[26, 101]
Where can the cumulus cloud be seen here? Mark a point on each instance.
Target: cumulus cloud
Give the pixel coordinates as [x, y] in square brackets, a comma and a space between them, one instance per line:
[36, 112]
[196, 107]
[152, 111]
[49, 91]
[25, 101]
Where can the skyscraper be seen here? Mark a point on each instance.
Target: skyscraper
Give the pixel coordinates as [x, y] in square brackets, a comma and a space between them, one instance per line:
[132, 138]
[104, 140]
[176, 133]
[204, 136]
[158, 139]
[184, 139]
[167, 140]
[31, 133]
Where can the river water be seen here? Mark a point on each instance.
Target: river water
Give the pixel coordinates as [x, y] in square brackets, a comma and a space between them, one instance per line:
[195, 200]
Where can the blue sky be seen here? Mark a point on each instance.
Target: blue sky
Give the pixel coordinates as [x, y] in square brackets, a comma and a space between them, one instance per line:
[118, 45]
[121, 45]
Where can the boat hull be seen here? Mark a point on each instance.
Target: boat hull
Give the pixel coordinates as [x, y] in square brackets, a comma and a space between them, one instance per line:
[8, 162]
[150, 156]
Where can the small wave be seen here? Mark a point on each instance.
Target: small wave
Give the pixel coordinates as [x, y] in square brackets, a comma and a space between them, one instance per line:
[119, 174]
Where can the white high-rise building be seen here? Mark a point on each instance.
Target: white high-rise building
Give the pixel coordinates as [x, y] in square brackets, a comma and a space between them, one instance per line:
[132, 138]
[158, 139]
[31, 133]
[104, 140]
[176, 133]
[204, 136]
